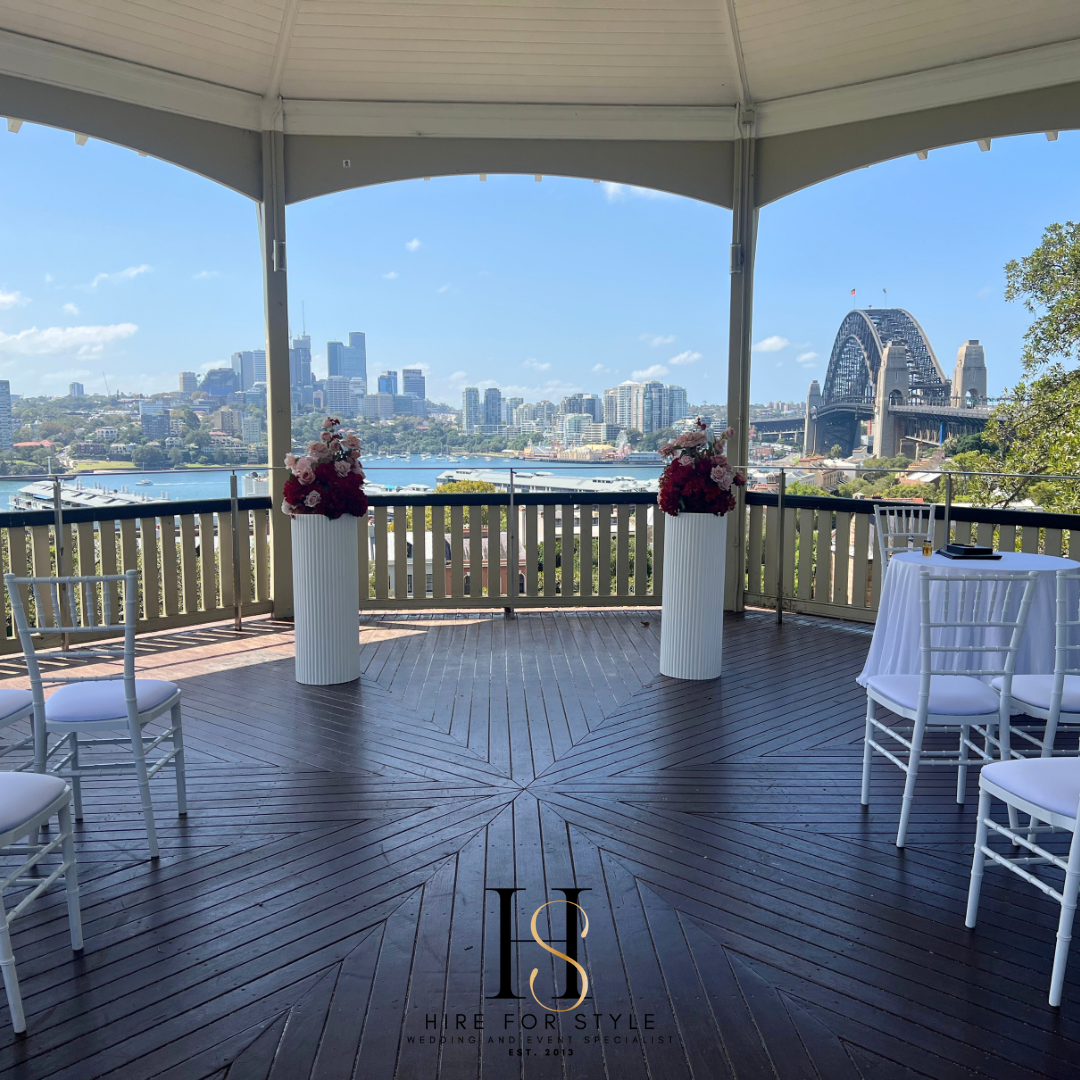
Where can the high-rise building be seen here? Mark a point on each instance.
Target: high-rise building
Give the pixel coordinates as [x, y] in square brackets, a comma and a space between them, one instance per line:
[348, 361]
[251, 431]
[6, 439]
[472, 412]
[647, 406]
[338, 398]
[189, 382]
[226, 420]
[509, 407]
[388, 382]
[154, 419]
[250, 367]
[219, 382]
[594, 406]
[300, 363]
[492, 408]
[678, 403]
[378, 406]
[75, 389]
[414, 382]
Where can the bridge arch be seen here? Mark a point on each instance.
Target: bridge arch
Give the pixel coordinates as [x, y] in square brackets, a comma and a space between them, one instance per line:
[848, 393]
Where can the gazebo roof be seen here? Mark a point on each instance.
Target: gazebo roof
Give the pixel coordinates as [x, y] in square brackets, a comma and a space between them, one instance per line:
[680, 72]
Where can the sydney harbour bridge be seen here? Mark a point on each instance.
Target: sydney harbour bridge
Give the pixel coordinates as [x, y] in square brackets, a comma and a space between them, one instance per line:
[883, 370]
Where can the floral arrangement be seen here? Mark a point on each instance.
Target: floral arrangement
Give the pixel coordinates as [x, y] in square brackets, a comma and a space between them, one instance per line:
[698, 478]
[328, 479]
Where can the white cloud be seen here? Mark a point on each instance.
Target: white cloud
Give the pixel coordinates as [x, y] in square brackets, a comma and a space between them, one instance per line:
[987, 290]
[412, 245]
[66, 375]
[654, 371]
[599, 369]
[443, 288]
[48, 278]
[70, 309]
[657, 339]
[202, 275]
[772, 344]
[806, 359]
[535, 364]
[57, 340]
[391, 275]
[120, 275]
[618, 192]
[12, 299]
[687, 357]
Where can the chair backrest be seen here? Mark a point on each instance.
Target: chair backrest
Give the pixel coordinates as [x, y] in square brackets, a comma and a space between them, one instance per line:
[902, 528]
[1067, 639]
[75, 605]
[981, 615]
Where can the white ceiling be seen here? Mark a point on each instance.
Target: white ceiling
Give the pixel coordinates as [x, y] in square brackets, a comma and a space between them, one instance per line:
[807, 63]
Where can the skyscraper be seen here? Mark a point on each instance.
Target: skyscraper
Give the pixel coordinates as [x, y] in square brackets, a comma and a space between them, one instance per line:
[189, 381]
[354, 358]
[472, 412]
[492, 408]
[6, 440]
[75, 389]
[244, 363]
[413, 382]
[338, 397]
[300, 362]
[388, 382]
[334, 350]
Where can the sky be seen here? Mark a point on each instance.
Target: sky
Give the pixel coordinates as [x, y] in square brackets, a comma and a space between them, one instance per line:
[121, 271]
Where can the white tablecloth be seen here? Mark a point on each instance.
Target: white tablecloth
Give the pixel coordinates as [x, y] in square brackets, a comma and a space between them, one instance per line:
[894, 649]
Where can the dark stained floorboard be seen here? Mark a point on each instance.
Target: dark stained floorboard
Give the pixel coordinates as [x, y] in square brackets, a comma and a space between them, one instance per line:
[325, 910]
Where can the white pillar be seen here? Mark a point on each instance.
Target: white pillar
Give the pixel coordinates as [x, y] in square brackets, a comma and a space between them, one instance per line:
[278, 392]
[743, 240]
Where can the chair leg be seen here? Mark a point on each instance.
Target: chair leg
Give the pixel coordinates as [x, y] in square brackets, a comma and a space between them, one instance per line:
[909, 785]
[1068, 910]
[144, 788]
[11, 978]
[1050, 735]
[975, 888]
[871, 713]
[71, 879]
[961, 773]
[76, 782]
[178, 760]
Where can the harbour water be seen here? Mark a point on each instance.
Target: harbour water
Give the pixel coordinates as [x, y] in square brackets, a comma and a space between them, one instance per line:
[198, 484]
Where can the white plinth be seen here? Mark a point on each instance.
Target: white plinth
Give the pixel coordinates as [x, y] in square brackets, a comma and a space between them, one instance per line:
[692, 622]
[326, 599]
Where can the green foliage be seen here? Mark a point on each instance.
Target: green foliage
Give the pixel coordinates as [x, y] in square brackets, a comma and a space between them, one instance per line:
[1048, 283]
[871, 468]
[973, 442]
[150, 457]
[655, 439]
[836, 451]
[467, 487]
[800, 487]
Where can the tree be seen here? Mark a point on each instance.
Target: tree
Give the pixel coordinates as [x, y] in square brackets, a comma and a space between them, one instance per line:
[836, 451]
[149, 457]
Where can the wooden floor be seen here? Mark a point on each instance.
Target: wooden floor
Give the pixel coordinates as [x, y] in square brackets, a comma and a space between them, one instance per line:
[325, 905]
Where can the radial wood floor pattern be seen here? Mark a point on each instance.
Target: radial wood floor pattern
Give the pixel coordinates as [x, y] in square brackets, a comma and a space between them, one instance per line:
[326, 908]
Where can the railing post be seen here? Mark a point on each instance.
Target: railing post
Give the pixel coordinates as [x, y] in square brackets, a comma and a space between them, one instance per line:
[238, 590]
[780, 547]
[58, 511]
[948, 505]
[511, 559]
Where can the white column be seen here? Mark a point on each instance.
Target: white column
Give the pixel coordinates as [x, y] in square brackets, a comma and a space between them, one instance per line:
[278, 392]
[743, 240]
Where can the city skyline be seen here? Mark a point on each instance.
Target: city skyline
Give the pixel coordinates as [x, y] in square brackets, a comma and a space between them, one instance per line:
[545, 289]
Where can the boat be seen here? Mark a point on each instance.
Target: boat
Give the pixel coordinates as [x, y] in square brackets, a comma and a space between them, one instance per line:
[143, 483]
[39, 496]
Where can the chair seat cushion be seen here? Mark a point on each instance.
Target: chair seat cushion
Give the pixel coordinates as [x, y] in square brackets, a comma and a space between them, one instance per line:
[950, 695]
[1052, 783]
[79, 702]
[12, 703]
[1036, 690]
[23, 795]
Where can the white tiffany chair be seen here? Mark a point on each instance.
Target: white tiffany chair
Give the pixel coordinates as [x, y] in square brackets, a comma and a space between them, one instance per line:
[1054, 698]
[1047, 789]
[27, 802]
[976, 608]
[16, 705]
[902, 528]
[115, 706]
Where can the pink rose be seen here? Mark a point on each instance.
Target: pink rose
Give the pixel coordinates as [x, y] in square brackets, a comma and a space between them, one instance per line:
[357, 469]
[312, 498]
[352, 441]
[329, 423]
[287, 507]
[685, 459]
[335, 446]
[691, 438]
[722, 475]
[729, 434]
[342, 468]
[667, 449]
[290, 462]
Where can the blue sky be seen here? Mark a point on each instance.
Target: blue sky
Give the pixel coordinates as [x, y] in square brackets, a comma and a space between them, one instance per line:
[126, 269]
